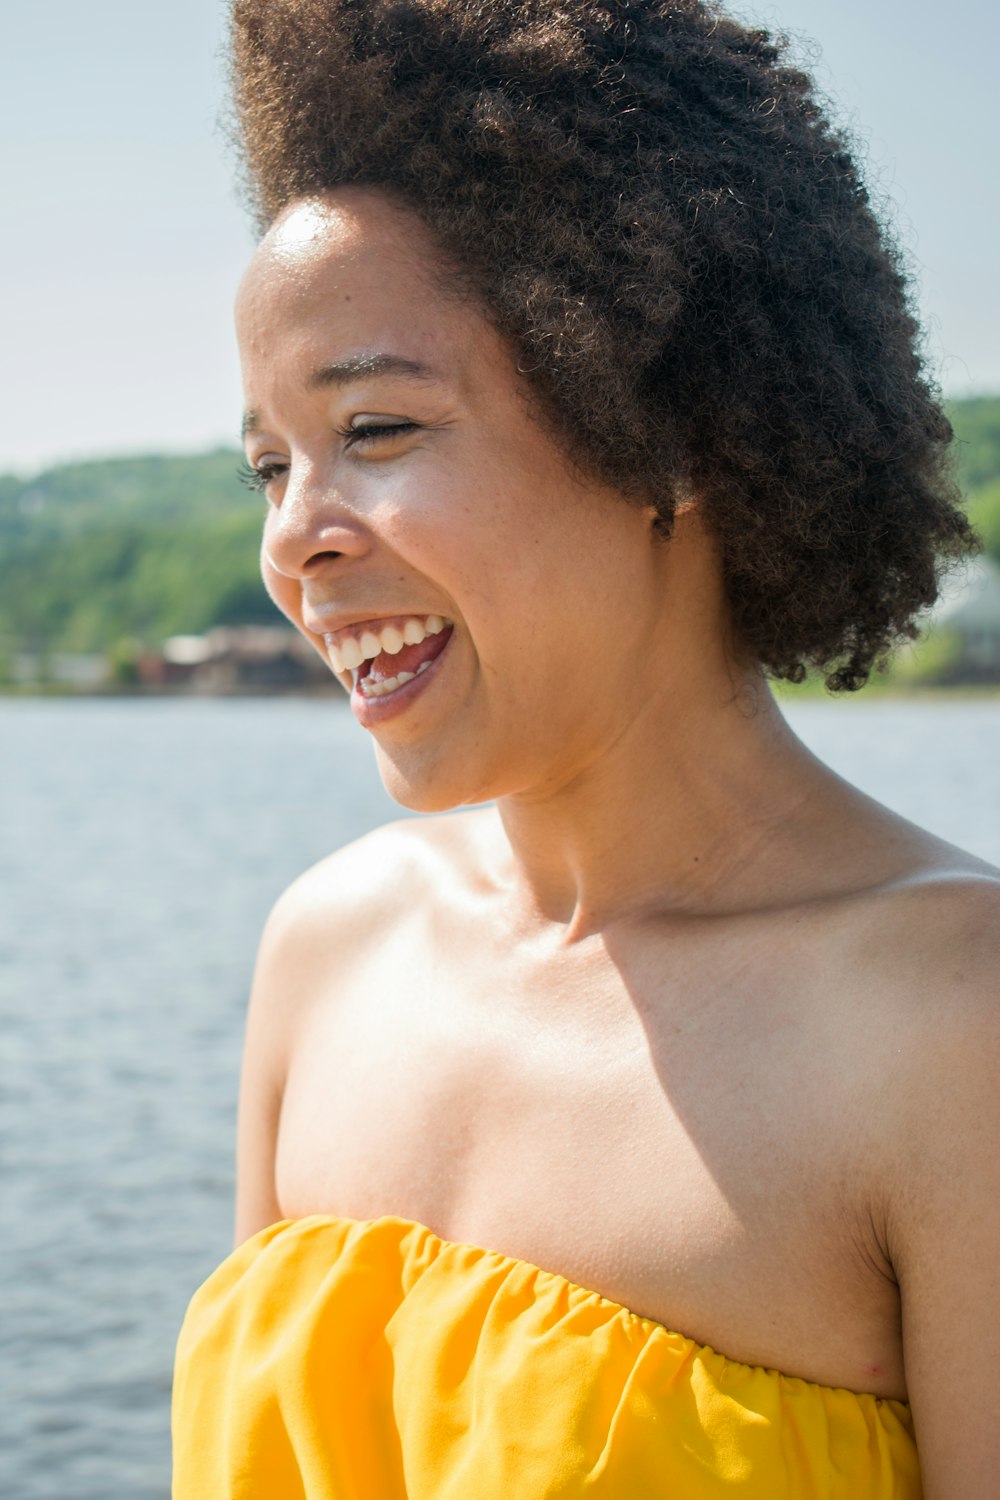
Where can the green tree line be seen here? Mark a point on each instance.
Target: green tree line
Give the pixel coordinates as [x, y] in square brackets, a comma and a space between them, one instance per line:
[93, 555]
[977, 454]
[130, 549]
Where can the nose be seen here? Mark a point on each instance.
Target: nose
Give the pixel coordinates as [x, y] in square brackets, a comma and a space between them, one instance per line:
[311, 527]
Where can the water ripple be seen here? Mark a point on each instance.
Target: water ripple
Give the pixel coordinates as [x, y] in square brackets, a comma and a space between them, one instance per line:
[144, 843]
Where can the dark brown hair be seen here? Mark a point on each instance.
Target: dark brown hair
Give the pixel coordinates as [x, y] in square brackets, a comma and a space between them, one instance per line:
[653, 208]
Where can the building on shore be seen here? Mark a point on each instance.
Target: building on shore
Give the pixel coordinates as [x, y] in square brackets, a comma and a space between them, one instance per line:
[231, 659]
[967, 619]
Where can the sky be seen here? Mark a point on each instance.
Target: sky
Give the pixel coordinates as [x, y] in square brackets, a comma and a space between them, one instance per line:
[122, 238]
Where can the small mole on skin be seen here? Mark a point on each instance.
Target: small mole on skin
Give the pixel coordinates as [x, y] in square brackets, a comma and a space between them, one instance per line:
[873, 1369]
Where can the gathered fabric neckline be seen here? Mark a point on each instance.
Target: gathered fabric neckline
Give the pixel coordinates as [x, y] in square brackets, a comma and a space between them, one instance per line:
[444, 1246]
[371, 1359]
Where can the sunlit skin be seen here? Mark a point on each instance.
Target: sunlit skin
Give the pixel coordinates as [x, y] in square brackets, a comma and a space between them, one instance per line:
[666, 1019]
[563, 608]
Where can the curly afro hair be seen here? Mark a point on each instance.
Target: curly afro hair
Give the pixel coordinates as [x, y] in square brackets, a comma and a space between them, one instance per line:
[650, 204]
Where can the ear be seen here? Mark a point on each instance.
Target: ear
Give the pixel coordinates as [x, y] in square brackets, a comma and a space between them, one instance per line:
[687, 511]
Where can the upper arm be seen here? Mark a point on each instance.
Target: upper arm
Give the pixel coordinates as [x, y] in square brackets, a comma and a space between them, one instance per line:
[265, 1062]
[310, 942]
[945, 1220]
[306, 932]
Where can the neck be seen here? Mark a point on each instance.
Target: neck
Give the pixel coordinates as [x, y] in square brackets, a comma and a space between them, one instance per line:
[689, 802]
[663, 821]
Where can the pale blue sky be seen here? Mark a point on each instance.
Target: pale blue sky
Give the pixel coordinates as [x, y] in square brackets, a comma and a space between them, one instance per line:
[121, 241]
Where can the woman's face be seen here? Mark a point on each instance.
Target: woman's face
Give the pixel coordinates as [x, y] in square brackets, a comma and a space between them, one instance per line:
[414, 506]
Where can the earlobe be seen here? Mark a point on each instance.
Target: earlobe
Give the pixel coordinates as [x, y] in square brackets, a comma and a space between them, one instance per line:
[687, 523]
[686, 509]
[689, 517]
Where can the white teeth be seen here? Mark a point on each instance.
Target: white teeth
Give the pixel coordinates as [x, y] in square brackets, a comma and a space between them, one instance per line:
[422, 667]
[351, 654]
[379, 689]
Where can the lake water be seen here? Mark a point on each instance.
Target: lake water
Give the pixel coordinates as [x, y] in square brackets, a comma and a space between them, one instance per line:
[142, 845]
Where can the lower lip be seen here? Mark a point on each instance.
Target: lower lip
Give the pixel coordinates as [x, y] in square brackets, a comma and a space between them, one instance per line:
[370, 712]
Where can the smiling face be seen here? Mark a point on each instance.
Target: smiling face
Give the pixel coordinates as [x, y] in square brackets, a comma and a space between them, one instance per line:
[419, 515]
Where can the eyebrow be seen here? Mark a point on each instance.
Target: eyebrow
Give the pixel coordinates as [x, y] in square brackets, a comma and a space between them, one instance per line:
[342, 372]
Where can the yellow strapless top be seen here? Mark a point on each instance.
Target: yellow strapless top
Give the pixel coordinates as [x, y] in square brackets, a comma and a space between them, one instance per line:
[336, 1359]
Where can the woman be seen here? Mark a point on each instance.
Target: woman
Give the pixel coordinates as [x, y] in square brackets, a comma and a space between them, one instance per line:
[636, 1134]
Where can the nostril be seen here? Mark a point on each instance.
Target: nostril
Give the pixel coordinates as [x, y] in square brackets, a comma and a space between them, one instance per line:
[318, 557]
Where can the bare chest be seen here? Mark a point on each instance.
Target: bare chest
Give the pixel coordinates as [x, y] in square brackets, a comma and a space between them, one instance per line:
[685, 1156]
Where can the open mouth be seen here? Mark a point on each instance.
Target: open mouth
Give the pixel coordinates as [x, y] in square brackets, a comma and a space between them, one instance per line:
[385, 658]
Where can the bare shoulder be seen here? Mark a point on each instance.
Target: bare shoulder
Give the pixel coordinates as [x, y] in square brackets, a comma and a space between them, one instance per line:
[330, 916]
[363, 884]
[932, 948]
[318, 934]
[367, 867]
[922, 956]
[932, 939]
[939, 969]
[933, 952]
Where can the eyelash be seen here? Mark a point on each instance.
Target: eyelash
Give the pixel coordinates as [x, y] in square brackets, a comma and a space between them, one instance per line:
[372, 433]
[258, 477]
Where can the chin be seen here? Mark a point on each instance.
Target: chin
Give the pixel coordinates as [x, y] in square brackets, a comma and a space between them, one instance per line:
[427, 788]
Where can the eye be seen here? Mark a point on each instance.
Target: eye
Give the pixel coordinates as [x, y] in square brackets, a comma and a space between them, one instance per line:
[257, 477]
[364, 434]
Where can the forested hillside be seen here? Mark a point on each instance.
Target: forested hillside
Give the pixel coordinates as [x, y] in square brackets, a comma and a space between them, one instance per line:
[977, 447]
[135, 549]
[94, 554]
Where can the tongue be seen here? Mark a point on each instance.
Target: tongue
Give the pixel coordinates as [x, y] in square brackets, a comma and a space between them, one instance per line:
[384, 666]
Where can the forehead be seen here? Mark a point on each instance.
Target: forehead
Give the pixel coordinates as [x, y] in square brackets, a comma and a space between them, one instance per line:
[351, 264]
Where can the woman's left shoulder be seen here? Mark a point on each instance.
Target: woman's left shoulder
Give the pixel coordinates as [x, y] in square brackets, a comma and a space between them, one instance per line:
[928, 965]
[925, 944]
[938, 1143]
[940, 932]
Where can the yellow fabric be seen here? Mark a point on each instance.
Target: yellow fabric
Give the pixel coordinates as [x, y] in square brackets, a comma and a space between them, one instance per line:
[334, 1359]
